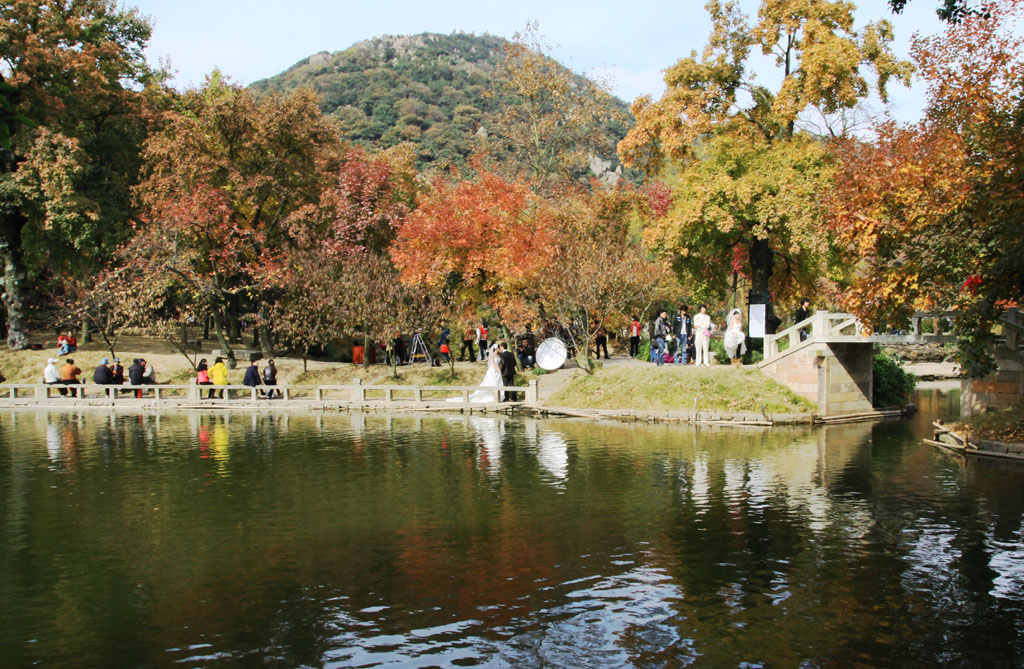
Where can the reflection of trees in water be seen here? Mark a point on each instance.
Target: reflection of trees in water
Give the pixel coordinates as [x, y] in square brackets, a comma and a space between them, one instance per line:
[540, 536]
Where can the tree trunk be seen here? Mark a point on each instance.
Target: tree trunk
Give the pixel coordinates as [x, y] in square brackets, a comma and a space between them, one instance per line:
[233, 318]
[11, 226]
[218, 323]
[266, 341]
[762, 265]
[393, 360]
[206, 326]
[86, 335]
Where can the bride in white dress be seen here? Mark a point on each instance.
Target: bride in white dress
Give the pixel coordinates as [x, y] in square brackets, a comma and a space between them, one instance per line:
[492, 378]
[735, 340]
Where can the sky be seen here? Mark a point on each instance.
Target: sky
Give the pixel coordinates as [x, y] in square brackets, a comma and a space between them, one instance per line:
[627, 43]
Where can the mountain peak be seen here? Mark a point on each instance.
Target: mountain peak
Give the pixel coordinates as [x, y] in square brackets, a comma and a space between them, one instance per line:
[429, 89]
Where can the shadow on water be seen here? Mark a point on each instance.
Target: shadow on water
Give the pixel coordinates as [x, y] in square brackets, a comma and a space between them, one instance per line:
[363, 539]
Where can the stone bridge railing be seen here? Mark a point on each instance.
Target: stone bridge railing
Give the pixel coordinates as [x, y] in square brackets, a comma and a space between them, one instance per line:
[821, 326]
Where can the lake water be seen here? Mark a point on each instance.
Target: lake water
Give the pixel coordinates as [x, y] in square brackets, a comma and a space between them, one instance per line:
[352, 539]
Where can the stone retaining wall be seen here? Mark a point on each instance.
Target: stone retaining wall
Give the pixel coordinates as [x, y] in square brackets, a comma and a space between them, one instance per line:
[999, 389]
[836, 376]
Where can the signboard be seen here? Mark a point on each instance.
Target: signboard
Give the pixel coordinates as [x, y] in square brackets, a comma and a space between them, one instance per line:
[756, 321]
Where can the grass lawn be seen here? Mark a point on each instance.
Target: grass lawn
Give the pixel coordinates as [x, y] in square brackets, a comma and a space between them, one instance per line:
[1002, 425]
[673, 388]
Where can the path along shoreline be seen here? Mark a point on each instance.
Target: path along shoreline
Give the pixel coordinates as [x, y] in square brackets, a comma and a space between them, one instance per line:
[149, 404]
[315, 398]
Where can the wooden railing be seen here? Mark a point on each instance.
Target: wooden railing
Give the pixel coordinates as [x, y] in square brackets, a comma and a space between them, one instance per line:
[351, 393]
[821, 325]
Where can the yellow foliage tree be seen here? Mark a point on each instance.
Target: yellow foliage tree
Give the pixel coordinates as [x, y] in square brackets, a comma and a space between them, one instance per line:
[745, 182]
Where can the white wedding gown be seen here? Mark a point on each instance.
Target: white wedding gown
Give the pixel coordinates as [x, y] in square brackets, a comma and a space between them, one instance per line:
[735, 340]
[491, 378]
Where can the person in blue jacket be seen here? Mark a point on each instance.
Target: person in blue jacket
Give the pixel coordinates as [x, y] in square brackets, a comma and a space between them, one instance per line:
[252, 375]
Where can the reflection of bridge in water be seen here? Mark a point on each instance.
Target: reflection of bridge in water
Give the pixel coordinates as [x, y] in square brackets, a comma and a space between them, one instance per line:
[827, 359]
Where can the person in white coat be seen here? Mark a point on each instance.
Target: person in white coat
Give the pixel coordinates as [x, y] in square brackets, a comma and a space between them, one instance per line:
[51, 374]
[702, 327]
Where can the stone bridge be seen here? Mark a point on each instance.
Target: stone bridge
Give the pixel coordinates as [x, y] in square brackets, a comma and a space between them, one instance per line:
[832, 365]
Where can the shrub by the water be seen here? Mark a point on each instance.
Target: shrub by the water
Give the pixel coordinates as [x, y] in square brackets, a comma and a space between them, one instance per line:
[892, 385]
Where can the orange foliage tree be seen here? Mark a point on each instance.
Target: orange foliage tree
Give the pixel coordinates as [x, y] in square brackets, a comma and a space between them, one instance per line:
[599, 268]
[485, 237]
[933, 209]
[228, 176]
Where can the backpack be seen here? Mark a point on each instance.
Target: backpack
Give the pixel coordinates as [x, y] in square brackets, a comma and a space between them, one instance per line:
[267, 374]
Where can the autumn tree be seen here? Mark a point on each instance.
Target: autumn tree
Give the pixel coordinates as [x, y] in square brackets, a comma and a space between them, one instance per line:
[382, 304]
[933, 209]
[228, 177]
[598, 267]
[747, 179]
[555, 121]
[313, 309]
[486, 238]
[72, 109]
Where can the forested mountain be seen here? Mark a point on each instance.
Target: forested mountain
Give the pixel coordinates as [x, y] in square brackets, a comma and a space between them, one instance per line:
[438, 91]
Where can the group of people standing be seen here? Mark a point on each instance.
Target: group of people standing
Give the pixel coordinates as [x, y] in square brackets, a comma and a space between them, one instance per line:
[678, 339]
[681, 339]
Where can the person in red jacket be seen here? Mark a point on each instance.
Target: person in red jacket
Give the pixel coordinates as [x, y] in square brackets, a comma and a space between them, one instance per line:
[481, 340]
[634, 337]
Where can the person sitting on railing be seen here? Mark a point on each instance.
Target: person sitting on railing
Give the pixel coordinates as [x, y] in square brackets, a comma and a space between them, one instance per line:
[69, 374]
[148, 374]
[203, 373]
[252, 374]
[51, 375]
[117, 371]
[103, 376]
[802, 314]
[135, 373]
[219, 376]
[270, 378]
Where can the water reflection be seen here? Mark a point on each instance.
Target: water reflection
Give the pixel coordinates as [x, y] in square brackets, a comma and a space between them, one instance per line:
[370, 538]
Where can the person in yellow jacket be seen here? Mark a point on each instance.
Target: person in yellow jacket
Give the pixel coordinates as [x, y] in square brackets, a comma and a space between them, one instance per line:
[219, 376]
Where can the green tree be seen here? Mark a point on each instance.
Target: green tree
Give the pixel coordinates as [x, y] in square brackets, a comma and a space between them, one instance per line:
[69, 78]
[933, 209]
